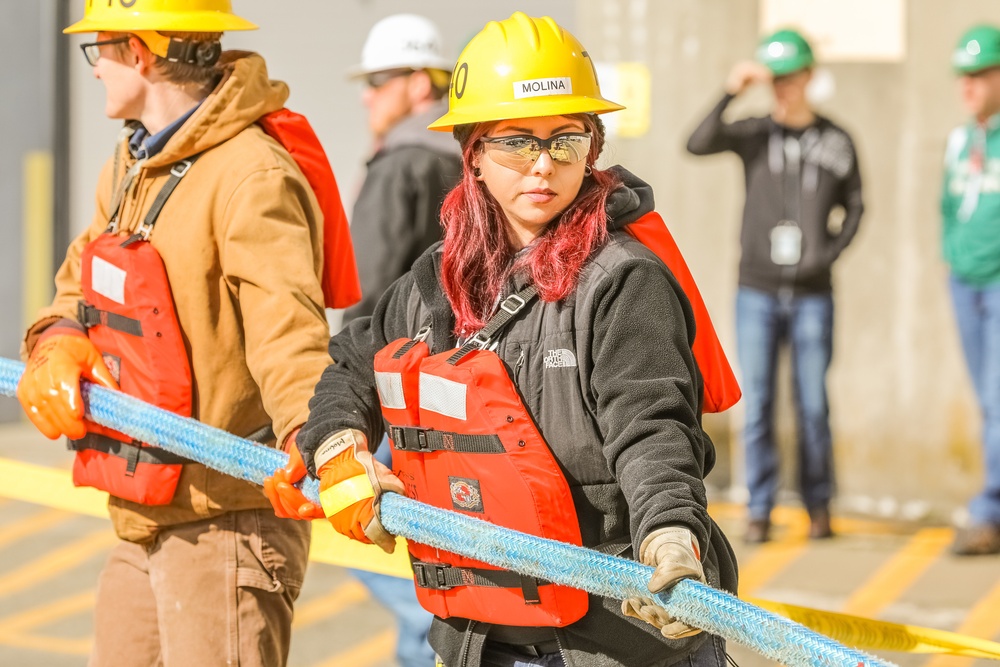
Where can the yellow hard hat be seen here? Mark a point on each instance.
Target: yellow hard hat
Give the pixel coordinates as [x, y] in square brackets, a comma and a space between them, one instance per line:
[522, 67]
[159, 16]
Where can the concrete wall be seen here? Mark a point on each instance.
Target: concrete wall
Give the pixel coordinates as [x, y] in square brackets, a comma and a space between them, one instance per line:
[904, 418]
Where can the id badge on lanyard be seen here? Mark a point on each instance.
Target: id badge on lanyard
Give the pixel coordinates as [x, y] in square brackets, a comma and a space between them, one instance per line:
[786, 236]
[786, 243]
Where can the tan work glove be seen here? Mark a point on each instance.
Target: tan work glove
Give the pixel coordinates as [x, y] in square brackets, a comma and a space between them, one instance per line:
[676, 555]
[351, 482]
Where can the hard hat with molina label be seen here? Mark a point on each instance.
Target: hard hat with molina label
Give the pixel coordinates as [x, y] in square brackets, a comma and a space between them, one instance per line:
[160, 16]
[977, 50]
[402, 41]
[785, 52]
[522, 67]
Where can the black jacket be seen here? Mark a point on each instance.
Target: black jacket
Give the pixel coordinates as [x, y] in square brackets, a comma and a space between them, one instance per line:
[828, 178]
[624, 422]
[396, 215]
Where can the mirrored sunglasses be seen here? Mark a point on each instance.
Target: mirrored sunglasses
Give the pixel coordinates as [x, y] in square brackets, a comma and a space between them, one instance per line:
[520, 151]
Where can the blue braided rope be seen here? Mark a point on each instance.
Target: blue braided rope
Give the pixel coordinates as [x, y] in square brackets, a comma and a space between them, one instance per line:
[699, 605]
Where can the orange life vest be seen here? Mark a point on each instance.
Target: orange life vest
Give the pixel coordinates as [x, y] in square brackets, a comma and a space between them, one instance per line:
[128, 311]
[464, 441]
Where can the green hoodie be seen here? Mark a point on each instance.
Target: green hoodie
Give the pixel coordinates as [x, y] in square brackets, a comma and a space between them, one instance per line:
[970, 204]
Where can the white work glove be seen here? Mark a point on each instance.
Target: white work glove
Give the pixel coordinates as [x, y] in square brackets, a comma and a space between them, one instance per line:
[676, 555]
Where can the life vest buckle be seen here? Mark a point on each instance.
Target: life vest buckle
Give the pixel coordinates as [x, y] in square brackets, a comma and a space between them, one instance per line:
[431, 576]
[403, 438]
[513, 304]
[181, 168]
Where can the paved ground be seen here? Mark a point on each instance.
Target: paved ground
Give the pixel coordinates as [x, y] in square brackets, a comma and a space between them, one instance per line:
[50, 558]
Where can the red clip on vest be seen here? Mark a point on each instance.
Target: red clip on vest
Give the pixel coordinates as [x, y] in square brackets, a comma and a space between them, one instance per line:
[129, 314]
[463, 441]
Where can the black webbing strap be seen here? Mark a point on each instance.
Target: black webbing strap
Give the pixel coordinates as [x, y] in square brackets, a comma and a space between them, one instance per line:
[438, 577]
[414, 439]
[509, 307]
[132, 453]
[177, 172]
[90, 316]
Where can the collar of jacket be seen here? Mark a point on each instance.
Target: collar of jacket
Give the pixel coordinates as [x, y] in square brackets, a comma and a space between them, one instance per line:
[244, 94]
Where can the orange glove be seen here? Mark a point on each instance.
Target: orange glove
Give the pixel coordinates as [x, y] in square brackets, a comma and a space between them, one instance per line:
[286, 498]
[49, 390]
[350, 485]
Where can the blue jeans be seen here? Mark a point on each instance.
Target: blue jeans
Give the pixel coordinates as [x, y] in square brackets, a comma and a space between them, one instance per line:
[399, 597]
[764, 322]
[977, 310]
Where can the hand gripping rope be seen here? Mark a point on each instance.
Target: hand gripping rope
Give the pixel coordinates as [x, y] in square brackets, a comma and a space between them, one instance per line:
[694, 603]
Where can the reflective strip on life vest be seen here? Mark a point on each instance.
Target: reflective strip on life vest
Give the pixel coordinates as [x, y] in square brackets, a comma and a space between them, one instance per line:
[390, 390]
[443, 396]
[342, 495]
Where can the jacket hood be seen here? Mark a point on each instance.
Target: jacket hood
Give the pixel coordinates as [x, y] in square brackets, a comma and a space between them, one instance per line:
[630, 202]
[243, 95]
[412, 131]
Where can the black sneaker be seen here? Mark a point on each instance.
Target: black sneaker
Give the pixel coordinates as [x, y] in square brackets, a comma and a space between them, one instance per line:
[978, 540]
[819, 524]
[758, 531]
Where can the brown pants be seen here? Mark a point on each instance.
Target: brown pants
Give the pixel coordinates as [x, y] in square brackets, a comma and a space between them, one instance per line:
[214, 592]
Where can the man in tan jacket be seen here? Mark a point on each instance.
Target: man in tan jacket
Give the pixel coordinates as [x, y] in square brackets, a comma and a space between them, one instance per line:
[205, 573]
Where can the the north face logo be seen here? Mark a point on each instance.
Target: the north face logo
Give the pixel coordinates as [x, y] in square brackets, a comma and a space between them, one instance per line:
[560, 359]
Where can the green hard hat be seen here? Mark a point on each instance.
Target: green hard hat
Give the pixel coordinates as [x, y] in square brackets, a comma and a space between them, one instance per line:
[785, 52]
[978, 49]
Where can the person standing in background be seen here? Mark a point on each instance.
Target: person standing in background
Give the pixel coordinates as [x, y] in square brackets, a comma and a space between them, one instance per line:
[970, 212]
[799, 167]
[395, 216]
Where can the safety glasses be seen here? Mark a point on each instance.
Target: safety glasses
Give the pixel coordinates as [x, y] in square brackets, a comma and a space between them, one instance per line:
[520, 151]
[379, 79]
[92, 50]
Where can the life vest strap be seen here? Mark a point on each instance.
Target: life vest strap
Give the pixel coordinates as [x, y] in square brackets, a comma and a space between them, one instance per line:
[133, 453]
[90, 316]
[415, 439]
[440, 577]
[509, 307]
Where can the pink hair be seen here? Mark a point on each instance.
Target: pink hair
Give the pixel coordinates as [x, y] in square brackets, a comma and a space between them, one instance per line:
[477, 253]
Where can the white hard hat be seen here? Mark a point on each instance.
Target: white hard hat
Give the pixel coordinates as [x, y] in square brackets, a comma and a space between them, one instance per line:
[402, 41]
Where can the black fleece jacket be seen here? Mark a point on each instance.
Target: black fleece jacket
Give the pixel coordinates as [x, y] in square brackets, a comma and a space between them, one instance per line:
[829, 177]
[624, 422]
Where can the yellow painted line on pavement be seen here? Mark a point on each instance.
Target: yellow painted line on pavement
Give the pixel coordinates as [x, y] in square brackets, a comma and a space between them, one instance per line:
[983, 621]
[899, 573]
[49, 487]
[379, 648]
[771, 558]
[56, 562]
[349, 593]
[31, 525]
[54, 488]
[14, 629]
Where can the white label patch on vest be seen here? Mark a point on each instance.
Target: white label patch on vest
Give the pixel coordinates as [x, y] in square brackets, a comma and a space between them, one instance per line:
[390, 390]
[445, 397]
[108, 280]
[560, 358]
[557, 85]
[465, 494]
